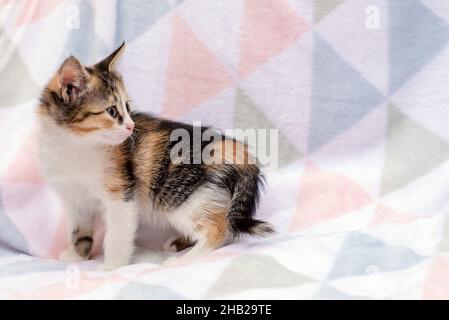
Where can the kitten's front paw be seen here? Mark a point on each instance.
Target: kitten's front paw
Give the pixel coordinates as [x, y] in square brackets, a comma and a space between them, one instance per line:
[70, 256]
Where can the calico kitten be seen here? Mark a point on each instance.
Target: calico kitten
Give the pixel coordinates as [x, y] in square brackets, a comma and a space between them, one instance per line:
[102, 158]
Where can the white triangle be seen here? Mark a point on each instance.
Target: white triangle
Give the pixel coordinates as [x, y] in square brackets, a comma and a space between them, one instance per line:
[419, 235]
[43, 60]
[425, 97]
[104, 23]
[217, 111]
[280, 196]
[439, 8]
[348, 30]
[314, 256]
[15, 129]
[359, 152]
[424, 197]
[352, 221]
[304, 9]
[217, 25]
[281, 89]
[143, 66]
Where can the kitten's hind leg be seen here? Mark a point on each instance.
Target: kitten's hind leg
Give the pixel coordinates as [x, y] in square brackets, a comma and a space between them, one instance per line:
[176, 244]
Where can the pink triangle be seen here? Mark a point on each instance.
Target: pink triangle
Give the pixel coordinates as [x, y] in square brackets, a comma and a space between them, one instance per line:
[384, 214]
[60, 241]
[268, 27]
[193, 73]
[437, 283]
[326, 195]
[32, 10]
[35, 211]
[25, 166]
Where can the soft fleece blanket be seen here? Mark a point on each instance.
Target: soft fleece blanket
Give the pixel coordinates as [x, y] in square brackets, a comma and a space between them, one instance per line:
[358, 91]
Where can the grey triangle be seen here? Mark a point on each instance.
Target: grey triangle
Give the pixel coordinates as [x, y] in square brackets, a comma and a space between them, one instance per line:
[16, 83]
[248, 116]
[255, 271]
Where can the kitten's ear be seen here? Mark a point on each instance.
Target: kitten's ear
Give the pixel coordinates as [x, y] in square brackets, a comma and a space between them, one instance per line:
[72, 79]
[109, 63]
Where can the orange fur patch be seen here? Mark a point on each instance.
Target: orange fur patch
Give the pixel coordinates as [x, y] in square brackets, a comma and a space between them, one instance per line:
[214, 223]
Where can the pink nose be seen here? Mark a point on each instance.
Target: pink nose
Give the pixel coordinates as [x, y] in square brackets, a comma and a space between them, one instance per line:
[130, 127]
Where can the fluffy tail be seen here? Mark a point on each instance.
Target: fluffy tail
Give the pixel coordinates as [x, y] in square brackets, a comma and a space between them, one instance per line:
[245, 199]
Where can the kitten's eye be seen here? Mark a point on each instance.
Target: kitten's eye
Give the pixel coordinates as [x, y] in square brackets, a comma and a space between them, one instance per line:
[112, 111]
[127, 107]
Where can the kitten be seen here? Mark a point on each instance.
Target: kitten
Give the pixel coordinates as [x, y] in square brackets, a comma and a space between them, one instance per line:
[102, 158]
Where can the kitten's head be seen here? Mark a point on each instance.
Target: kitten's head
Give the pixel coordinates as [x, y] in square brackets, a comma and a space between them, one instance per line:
[89, 102]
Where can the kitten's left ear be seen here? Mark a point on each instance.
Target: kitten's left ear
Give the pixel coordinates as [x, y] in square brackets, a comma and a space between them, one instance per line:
[109, 63]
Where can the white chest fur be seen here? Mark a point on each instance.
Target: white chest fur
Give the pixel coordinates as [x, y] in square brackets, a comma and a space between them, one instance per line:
[71, 166]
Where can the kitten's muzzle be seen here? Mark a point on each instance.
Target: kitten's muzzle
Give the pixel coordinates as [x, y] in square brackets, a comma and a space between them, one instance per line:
[130, 127]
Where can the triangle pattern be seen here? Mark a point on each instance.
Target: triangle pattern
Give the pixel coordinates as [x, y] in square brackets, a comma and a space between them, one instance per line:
[268, 28]
[83, 42]
[217, 112]
[15, 76]
[359, 152]
[436, 286]
[439, 8]
[363, 46]
[240, 276]
[135, 17]
[32, 11]
[222, 18]
[134, 290]
[248, 116]
[326, 195]
[443, 246]
[340, 95]
[323, 7]
[416, 35]
[362, 253]
[22, 200]
[284, 83]
[411, 151]
[145, 62]
[328, 292]
[383, 215]
[25, 166]
[9, 235]
[426, 103]
[190, 59]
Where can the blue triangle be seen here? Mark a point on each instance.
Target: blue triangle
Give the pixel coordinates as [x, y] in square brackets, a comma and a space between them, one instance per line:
[134, 17]
[83, 43]
[11, 240]
[137, 290]
[340, 95]
[362, 254]
[34, 266]
[416, 35]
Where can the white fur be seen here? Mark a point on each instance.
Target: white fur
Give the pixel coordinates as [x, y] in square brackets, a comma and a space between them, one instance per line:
[75, 167]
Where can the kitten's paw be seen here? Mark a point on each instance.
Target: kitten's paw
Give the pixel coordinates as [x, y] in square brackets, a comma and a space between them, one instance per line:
[71, 256]
[107, 267]
[170, 245]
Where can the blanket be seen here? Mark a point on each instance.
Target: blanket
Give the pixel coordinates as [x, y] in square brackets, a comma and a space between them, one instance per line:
[358, 94]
